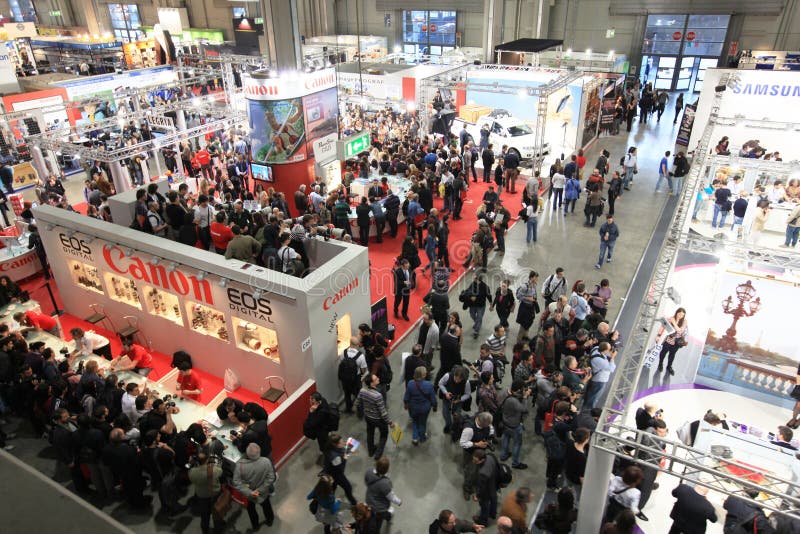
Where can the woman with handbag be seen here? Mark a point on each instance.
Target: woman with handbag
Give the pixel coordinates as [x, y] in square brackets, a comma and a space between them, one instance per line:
[623, 493]
[325, 506]
[254, 478]
[419, 400]
[673, 341]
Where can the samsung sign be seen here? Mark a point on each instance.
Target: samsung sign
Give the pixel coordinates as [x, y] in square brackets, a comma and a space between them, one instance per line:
[759, 89]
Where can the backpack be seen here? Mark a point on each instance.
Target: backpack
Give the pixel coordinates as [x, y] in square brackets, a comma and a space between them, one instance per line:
[333, 418]
[622, 161]
[504, 473]
[498, 369]
[348, 371]
[459, 421]
[556, 449]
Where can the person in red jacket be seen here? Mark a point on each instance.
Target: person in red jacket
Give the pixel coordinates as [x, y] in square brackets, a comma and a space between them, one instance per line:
[32, 320]
[188, 385]
[203, 159]
[221, 234]
[139, 359]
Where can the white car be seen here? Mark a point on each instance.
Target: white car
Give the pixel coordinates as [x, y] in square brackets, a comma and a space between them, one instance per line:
[504, 129]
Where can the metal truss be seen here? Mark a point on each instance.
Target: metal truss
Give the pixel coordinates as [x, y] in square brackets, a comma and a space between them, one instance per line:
[683, 462]
[698, 467]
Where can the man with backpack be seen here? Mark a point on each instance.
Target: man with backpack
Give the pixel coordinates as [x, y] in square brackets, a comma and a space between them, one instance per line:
[555, 442]
[554, 286]
[352, 366]
[322, 419]
[477, 435]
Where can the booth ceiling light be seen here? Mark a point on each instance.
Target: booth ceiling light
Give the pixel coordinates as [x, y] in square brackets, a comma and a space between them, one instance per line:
[155, 260]
[129, 252]
[223, 282]
[588, 51]
[49, 227]
[201, 275]
[172, 266]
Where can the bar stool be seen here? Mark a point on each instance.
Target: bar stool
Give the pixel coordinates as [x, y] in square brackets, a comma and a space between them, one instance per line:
[99, 316]
[273, 394]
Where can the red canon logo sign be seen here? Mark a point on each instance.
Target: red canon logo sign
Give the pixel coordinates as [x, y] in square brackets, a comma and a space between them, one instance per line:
[342, 293]
[19, 262]
[320, 81]
[254, 89]
[158, 275]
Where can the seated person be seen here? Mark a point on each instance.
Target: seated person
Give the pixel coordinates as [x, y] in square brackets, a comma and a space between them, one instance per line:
[228, 409]
[785, 436]
[32, 320]
[188, 385]
[138, 359]
[90, 342]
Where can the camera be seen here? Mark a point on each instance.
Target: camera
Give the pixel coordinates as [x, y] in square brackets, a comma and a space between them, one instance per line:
[168, 402]
[79, 370]
[121, 384]
[64, 350]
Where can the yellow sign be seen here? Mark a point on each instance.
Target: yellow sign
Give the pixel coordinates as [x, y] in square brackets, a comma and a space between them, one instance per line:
[397, 434]
[25, 175]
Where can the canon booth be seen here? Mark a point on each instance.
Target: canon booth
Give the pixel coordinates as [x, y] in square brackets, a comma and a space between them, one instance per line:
[272, 329]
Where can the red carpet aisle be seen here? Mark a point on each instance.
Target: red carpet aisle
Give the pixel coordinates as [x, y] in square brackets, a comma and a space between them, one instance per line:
[382, 255]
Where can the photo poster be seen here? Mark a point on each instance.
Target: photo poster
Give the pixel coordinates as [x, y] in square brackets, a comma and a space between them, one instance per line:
[278, 130]
[321, 116]
[687, 121]
[563, 119]
[607, 113]
[764, 365]
[592, 97]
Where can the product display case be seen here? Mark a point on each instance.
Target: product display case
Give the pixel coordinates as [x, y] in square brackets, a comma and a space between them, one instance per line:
[343, 333]
[122, 289]
[86, 276]
[162, 304]
[255, 338]
[207, 321]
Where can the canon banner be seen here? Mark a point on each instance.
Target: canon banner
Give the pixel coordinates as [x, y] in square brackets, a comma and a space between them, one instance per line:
[288, 86]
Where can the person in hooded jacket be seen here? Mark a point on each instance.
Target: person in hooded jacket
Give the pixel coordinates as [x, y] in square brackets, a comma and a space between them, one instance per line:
[380, 495]
[335, 463]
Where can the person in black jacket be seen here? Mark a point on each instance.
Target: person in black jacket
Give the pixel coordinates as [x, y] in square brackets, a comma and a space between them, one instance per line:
[487, 156]
[124, 461]
[476, 296]
[691, 510]
[392, 208]
[404, 282]
[488, 471]
[335, 462]
[363, 213]
[227, 410]
[318, 423]
[742, 514]
[255, 432]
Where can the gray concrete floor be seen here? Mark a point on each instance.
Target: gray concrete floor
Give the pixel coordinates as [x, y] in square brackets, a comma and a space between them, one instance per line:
[428, 477]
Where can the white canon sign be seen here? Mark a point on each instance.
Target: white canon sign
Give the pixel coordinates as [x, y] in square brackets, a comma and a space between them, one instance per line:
[289, 85]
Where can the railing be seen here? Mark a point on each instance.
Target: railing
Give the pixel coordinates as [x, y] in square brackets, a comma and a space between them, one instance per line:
[772, 384]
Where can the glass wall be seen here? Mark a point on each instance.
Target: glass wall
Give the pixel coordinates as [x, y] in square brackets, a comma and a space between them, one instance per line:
[429, 32]
[22, 11]
[125, 22]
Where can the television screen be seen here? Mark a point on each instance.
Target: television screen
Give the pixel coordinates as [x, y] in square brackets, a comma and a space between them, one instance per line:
[261, 172]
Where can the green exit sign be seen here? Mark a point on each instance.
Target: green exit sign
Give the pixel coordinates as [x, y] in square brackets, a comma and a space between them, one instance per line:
[357, 144]
[55, 13]
[259, 20]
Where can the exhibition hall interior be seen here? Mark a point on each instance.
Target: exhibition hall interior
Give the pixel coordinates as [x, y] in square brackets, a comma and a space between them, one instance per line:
[371, 267]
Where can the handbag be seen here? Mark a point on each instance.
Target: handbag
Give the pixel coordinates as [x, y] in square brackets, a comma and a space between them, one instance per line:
[313, 506]
[681, 342]
[223, 504]
[549, 417]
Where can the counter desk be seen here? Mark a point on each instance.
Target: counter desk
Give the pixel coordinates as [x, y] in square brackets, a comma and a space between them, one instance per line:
[17, 261]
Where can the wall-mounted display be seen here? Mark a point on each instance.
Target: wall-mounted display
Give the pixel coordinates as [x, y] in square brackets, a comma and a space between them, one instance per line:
[162, 304]
[123, 290]
[86, 276]
[255, 338]
[207, 321]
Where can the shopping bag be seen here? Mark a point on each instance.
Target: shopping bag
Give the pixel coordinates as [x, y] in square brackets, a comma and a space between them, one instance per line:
[397, 434]
[231, 380]
[652, 355]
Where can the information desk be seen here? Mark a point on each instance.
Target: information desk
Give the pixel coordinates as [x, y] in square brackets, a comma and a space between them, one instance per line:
[17, 261]
[360, 188]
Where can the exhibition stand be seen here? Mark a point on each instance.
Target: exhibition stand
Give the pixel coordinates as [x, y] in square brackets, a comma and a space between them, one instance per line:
[226, 313]
[66, 54]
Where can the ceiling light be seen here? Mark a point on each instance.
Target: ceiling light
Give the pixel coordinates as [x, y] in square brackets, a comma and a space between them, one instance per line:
[201, 275]
[129, 252]
[223, 282]
[49, 227]
[155, 260]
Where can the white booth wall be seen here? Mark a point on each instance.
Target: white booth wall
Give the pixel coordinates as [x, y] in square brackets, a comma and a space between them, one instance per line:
[303, 313]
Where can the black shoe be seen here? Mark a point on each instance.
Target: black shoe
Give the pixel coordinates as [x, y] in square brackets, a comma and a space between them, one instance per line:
[641, 516]
[660, 369]
[655, 485]
[671, 371]
[520, 466]
[405, 318]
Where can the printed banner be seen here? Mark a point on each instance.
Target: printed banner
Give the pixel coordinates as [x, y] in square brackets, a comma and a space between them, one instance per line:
[687, 121]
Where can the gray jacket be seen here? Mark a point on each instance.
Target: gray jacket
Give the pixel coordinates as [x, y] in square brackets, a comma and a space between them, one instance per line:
[514, 410]
[380, 495]
[251, 475]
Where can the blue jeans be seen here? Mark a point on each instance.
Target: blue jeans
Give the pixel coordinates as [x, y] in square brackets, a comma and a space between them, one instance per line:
[476, 314]
[447, 412]
[717, 211]
[569, 205]
[605, 246]
[737, 220]
[677, 184]
[698, 205]
[508, 435]
[593, 392]
[661, 179]
[532, 225]
[628, 178]
[792, 233]
[419, 425]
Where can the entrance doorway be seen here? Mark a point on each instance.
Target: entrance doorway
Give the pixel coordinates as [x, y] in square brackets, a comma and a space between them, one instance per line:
[677, 50]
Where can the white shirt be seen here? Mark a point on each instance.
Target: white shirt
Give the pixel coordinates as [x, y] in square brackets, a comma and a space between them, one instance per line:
[129, 407]
[628, 498]
[286, 254]
[89, 342]
[559, 180]
[630, 160]
[361, 360]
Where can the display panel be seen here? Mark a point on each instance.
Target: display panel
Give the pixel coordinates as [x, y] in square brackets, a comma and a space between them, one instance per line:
[278, 130]
[207, 321]
[86, 276]
[162, 304]
[123, 290]
[258, 339]
[261, 172]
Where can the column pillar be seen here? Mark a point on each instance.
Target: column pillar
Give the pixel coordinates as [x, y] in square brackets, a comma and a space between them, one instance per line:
[595, 489]
[282, 33]
[90, 14]
[37, 160]
[119, 175]
[492, 28]
[180, 125]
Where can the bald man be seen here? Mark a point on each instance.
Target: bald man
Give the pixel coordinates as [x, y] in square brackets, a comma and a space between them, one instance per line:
[123, 459]
[504, 525]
